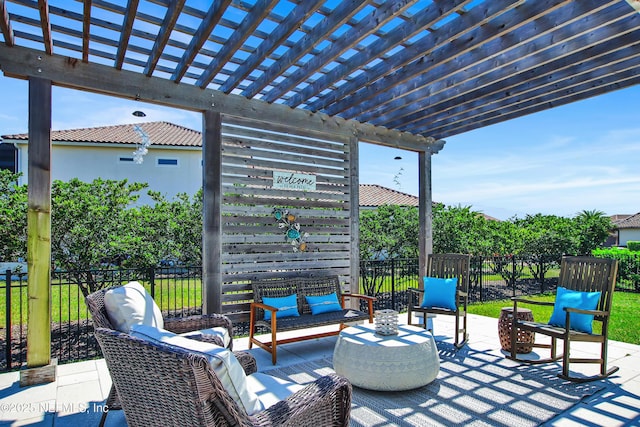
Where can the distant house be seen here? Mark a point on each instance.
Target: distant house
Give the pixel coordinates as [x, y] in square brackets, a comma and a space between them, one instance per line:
[373, 196]
[628, 229]
[172, 165]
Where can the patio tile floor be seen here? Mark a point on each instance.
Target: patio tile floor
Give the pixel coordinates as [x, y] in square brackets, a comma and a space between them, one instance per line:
[77, 396]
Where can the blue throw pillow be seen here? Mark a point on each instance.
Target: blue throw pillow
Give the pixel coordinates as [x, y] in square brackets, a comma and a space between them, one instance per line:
[440, 293]
[323, 303]
[287, 306]
[574, 299]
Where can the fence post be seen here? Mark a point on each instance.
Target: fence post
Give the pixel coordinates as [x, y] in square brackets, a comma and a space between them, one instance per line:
[152, 282]
[481, 277]
[8, 314]
[393, 284]
[513, 274]
[542, 273]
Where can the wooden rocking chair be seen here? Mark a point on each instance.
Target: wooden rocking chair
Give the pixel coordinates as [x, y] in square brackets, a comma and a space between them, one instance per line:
[582, 274]
[446, 266]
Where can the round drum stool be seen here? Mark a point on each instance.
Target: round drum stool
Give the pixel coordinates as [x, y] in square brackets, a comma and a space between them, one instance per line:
[504, 329]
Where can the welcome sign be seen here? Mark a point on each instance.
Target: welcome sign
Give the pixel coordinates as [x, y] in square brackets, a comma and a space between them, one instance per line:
[294, 181]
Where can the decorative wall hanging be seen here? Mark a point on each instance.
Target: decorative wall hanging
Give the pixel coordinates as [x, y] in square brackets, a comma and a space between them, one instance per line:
[287, 221]
[294, 181]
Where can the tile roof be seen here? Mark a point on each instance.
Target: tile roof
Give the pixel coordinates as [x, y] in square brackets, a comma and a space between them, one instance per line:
[631, 222]
[377, 195]
[160, 133]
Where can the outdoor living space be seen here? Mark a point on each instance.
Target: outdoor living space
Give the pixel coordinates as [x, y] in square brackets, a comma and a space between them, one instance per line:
[476, 385]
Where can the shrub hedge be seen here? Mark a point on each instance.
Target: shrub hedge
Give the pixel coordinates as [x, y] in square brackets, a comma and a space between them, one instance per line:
[628, 266]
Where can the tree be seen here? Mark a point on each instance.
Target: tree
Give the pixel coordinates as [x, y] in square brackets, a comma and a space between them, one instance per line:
[458, 230]
[593, 228]
[169, 230]
[390, 230]
[13, 217]
[90, 227]
[545, 239]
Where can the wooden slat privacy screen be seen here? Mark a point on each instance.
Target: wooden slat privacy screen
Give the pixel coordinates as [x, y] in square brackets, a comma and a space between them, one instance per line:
[253, 245]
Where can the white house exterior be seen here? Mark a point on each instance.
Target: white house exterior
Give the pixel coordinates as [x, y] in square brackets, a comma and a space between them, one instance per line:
[172, 165]
[629, 230]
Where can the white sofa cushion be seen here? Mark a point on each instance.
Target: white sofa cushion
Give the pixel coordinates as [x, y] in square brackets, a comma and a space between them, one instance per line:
[222, 361]
[271, 390]
[131, 304]
[219, 331]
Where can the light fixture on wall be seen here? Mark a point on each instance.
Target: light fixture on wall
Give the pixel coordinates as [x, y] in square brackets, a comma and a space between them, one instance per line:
[145, 142]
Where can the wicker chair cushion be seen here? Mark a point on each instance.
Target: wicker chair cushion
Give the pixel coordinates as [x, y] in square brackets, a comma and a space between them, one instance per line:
[270, 390]
[223, 362]
[287, 306]
[131, 304]
[574, 299]
[323, 303]
[219, 331]
[440, 292]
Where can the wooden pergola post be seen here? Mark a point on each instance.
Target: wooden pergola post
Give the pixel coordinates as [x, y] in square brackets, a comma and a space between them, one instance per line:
[354, 200]
[212, 212]
[425, 209]
[39, 366]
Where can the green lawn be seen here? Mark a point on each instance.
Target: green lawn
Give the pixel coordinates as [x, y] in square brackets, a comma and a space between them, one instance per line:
[67, 302]
[623, 326]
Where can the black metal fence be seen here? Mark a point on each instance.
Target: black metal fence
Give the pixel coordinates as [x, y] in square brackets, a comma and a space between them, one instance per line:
[176, 290]
[491, 278]
[178, 293]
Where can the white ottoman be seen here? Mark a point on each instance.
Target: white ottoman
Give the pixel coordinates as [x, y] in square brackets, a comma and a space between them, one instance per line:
[404, 361]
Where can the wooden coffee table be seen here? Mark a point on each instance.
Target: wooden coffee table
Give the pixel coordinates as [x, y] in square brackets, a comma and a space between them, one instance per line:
[404, 361]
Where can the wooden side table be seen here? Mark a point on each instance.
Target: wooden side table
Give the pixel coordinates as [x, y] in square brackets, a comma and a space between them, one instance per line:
[504, 329]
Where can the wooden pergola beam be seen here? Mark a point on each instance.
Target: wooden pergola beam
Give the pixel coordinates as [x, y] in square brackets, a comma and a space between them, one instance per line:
[72, 73]
[329, 24]
[5, 25]
[290, 24]
[125, 33]
[43, 7]
[245, 29]
[213, 16]
[86, 29]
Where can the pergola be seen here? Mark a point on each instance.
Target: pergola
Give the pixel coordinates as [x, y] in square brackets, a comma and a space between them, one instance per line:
[404, 74]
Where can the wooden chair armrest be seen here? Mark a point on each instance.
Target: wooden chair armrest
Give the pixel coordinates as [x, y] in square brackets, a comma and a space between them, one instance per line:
[271, 308]
[367, 298]
[254, 309]
[416, 290]
[360, 296]
[531, 301]
[582, 311]
[463, 294]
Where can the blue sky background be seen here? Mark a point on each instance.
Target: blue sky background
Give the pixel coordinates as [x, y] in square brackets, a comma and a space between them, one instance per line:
[581, 156]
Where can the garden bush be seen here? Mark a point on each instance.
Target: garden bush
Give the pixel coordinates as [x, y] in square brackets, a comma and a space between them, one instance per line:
[633, 245]
[628, 265]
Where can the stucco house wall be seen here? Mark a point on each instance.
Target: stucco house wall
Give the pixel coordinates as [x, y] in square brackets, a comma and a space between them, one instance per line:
[628, 234]
[168, 169]
[628, 229]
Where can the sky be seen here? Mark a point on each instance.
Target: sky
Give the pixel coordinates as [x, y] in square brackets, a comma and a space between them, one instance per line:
[581, 156]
